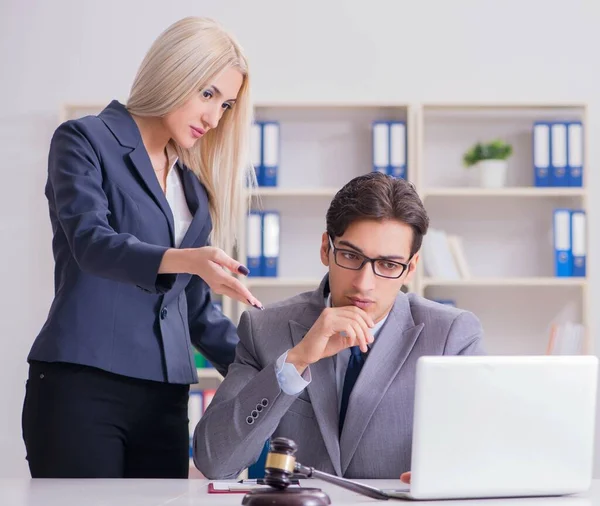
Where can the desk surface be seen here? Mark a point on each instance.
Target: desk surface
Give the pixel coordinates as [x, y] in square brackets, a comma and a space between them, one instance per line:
[99, 492]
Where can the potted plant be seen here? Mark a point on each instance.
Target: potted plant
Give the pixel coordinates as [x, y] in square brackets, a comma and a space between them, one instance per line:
[490, 159]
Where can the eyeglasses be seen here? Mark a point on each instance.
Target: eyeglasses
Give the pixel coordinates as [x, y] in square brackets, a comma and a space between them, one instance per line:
[382, 267]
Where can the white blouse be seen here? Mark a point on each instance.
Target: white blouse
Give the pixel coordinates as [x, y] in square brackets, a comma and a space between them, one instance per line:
[176, 198]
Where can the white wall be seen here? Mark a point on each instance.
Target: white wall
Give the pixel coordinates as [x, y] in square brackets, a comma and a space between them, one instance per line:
[420, 50]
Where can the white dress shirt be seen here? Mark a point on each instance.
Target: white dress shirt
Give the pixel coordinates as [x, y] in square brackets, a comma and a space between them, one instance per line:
[182, 217]
[292, 383]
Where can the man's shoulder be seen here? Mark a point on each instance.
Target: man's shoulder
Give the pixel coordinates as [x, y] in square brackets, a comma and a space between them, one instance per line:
[422, 307]
[282, 312]
[458, 330]
[438, 315]
[269, 332]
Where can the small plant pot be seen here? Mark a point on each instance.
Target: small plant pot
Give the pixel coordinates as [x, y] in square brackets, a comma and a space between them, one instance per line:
[492, 173]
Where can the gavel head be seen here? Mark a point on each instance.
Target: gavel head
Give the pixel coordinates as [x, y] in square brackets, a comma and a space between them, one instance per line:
[280, 463]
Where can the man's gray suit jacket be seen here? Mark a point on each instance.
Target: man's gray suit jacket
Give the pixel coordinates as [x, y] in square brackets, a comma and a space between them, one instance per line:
[250, 407]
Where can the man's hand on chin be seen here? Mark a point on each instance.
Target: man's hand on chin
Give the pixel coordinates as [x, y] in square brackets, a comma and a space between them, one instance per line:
[405, 477]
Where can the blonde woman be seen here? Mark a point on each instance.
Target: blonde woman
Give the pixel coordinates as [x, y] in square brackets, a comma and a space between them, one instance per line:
[143, 201]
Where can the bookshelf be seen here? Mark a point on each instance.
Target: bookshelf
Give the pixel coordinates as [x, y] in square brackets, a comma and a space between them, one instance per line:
[283, 282]
[322, 146]
[504, 192]
[296, 192]
[506, 232]
[514, 282]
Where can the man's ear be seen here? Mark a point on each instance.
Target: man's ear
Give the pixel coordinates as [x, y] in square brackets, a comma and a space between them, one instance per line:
[412, 267]
[325, 249]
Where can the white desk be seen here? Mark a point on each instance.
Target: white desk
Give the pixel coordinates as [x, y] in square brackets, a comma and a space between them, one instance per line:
[29, 492]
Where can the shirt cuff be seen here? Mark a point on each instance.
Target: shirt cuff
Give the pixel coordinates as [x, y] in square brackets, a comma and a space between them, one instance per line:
[288, 377]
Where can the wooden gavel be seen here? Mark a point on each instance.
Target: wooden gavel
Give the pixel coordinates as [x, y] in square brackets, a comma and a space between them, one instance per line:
[281, 465]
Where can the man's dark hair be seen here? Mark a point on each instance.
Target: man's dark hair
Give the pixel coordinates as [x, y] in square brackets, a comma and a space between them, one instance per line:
[376, 196]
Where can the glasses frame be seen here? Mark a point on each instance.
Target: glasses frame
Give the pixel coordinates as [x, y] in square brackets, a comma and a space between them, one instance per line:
[366, 259]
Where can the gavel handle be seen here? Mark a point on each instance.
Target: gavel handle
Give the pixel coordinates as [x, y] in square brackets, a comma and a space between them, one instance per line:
[311, 472]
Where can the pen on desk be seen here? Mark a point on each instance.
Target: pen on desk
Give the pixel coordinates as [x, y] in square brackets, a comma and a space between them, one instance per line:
[261, 481]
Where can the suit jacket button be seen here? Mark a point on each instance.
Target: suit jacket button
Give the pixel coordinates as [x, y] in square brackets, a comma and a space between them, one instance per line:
[163, 313]
[265, 402]
[249, 420]
[254, 413]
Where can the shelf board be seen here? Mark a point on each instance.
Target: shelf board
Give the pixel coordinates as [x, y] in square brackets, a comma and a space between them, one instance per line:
[298, 192]
[534, 281]
[505, 192]
[514, 282]
[331, 104]
[474, 105]
[267, 282]
[208, 373]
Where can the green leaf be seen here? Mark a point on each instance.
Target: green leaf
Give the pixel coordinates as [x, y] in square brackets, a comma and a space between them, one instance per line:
[495, 149]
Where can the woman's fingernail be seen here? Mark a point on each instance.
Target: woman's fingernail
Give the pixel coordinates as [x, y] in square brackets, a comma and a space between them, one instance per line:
[257, 306]
[243, 270]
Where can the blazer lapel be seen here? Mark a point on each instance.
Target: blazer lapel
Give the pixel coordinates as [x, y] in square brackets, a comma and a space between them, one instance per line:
[323, 396]
[322, 388]
[142, 164]
[197, 202]
[120, 122]
[386, 357]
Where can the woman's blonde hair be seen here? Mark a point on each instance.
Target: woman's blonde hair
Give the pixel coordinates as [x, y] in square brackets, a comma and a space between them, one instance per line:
[186, 57]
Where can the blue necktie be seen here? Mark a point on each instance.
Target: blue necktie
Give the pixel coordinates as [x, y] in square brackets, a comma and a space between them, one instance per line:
[355, 364]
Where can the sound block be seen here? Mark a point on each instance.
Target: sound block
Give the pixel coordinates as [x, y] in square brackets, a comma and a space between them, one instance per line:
[289, 496]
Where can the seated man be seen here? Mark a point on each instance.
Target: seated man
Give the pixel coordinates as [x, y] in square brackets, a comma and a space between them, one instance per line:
[334, 369]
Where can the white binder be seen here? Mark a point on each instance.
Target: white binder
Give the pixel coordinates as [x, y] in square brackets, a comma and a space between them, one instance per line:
[270, 153]
[397, 166]
[381, 146]
[271, 244]
[256, 151]
[254, 243]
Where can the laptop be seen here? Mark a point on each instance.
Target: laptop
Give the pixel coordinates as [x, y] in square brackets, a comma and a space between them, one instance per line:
[502, 426]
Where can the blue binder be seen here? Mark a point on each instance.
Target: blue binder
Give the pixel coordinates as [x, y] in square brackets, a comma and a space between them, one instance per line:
[270, 256]
[562, 243]
[381, 146]
[256, 151]
[270, 153]
[541, 153]
[397, 143]
[575, 153]
[578, 242]
[558, 159]
[254, 246]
